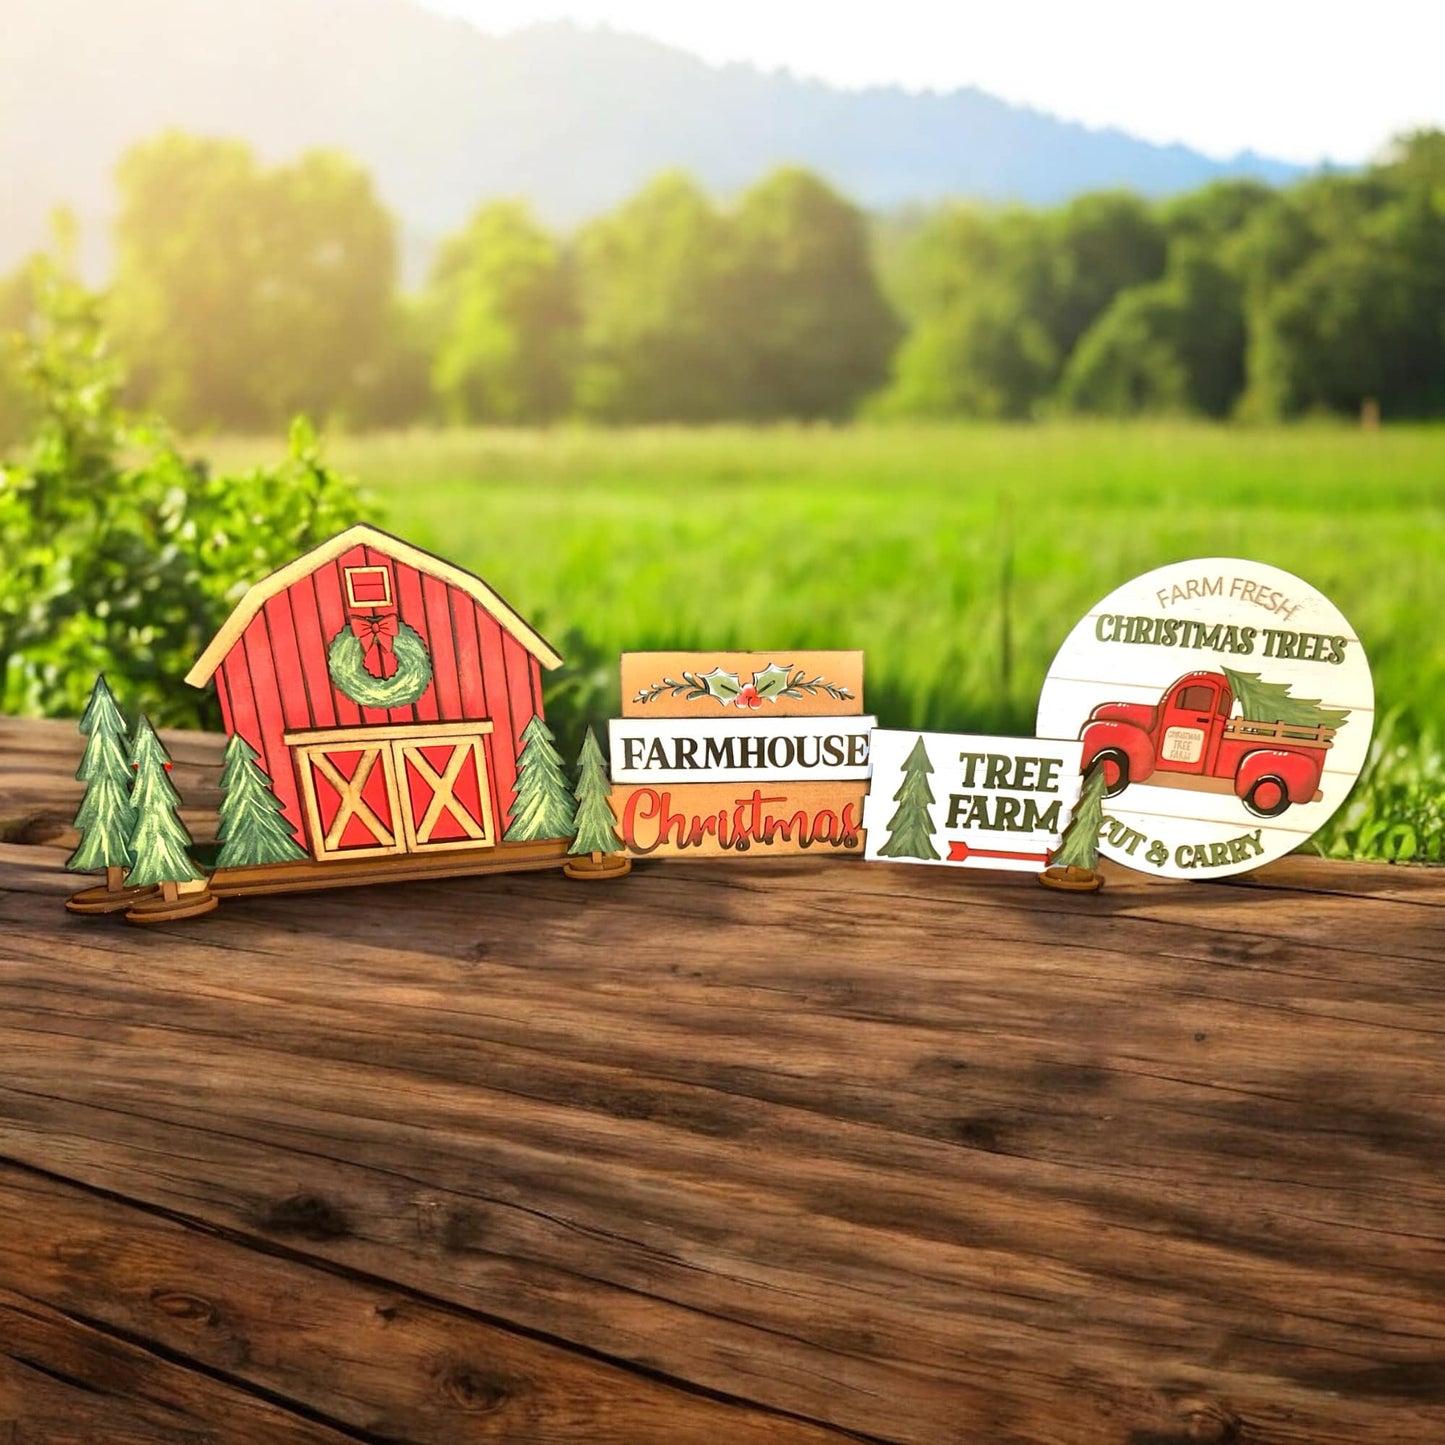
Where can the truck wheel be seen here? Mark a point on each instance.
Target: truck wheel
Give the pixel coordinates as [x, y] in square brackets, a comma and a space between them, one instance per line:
[1116, 770]
[1269, 796]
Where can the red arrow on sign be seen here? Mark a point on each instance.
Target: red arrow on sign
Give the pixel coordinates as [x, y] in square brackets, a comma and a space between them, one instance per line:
[959, 852]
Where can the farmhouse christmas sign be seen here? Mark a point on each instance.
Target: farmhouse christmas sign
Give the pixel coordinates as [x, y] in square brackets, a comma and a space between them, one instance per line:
[729, 753]
[969, 801]
[1229, 706]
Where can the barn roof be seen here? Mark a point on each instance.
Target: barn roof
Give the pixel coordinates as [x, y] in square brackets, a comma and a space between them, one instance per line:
[359, 536]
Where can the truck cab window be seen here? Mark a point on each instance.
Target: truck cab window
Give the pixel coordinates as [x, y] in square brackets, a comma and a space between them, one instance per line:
[1197, 699]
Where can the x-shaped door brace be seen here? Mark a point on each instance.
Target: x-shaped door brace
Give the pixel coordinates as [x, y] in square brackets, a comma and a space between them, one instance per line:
[352, 803]
[443, 787]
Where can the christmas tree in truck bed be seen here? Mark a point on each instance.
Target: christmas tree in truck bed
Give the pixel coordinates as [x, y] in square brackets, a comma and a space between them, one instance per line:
[1270, 754]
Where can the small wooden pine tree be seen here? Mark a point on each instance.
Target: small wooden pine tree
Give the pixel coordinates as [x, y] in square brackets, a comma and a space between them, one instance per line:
[252, 828]
[544, 807]
[1079, 847]
[159, 840]
[596, 827]
[910, 829]
[106, 816]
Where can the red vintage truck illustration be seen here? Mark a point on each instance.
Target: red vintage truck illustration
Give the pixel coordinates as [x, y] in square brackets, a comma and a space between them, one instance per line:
[1193, 738]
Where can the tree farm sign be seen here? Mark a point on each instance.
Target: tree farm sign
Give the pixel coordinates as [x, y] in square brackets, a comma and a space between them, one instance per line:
[725, 754]
[969, 801]
[1230, 706]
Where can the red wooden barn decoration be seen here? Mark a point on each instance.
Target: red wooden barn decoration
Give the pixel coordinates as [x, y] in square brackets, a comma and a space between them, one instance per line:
[386, 692]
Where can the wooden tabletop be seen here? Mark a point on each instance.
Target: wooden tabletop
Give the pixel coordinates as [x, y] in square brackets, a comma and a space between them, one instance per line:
[734, 1152]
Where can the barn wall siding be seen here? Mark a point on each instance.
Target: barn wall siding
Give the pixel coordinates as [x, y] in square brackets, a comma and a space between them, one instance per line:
[275, 679]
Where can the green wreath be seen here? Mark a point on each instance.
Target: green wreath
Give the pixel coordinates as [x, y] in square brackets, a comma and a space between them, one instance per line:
[345, 661]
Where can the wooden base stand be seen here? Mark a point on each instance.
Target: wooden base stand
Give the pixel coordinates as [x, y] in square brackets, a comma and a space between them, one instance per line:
[599, 866]
[1072, 880]
[308, 875]
[101, 899]
[169, 903]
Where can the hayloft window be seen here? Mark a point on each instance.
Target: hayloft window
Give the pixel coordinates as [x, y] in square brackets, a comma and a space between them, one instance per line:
[368, 586]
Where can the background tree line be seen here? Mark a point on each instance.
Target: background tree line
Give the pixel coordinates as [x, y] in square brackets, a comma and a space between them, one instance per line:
[245, 294]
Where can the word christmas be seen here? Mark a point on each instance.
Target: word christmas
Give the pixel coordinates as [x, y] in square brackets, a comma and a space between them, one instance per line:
[723, 754]
[733, 823]
[974, 802]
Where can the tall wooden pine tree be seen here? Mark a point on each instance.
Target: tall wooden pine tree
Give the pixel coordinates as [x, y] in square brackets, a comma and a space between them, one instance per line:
[544, 807]
[596, 826]
[106, 816]
[910, 829]
[159, 840]
[1079, 847]
[252, 829]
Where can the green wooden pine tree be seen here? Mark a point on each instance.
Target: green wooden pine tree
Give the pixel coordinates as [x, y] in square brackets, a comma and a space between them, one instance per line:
[105, 816]
[544, 807]
[159, 840]
[253, 829]
[1270, 702]
[596, 827]
[1080, 845]
[910, 829]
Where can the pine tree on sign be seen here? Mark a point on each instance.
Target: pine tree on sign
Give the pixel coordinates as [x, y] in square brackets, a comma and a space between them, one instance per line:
[159, 840]
[596, 826]
[910, 829]
[252, 829]
[106, 816]
[544, 807]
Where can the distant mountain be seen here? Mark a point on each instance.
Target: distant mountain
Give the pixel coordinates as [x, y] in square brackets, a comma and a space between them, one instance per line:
[446, 116]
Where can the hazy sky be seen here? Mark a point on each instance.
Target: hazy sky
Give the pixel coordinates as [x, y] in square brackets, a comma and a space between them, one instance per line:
[1303, 80]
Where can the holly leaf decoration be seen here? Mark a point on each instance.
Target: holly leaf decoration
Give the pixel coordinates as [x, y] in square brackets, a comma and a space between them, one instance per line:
[771, 682]
[724, 686]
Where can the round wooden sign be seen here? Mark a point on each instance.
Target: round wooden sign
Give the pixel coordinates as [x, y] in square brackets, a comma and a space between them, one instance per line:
[1230, 706]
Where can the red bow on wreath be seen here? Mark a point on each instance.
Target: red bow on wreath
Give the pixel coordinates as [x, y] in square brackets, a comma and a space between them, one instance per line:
[375, 634]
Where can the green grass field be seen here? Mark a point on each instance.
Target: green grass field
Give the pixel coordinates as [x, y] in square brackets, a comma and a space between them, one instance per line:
[957, 557]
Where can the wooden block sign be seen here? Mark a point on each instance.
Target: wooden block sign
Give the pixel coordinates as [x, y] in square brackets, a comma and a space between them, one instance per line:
[761, 684]
[1229, 705]
[725, 754]
[969, 801]
[739, 750]
[722, 820]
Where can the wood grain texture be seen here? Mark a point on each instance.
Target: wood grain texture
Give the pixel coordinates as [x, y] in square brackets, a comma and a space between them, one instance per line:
[362, 1355]
[65, 1382]
[827, 1147]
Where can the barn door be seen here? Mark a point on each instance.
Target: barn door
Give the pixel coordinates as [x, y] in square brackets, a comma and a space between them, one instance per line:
[416, 788]
[353, 808]
[445, 801]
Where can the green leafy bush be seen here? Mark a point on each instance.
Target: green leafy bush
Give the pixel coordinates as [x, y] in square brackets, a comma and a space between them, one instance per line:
[117, 552]
[1396, 813]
